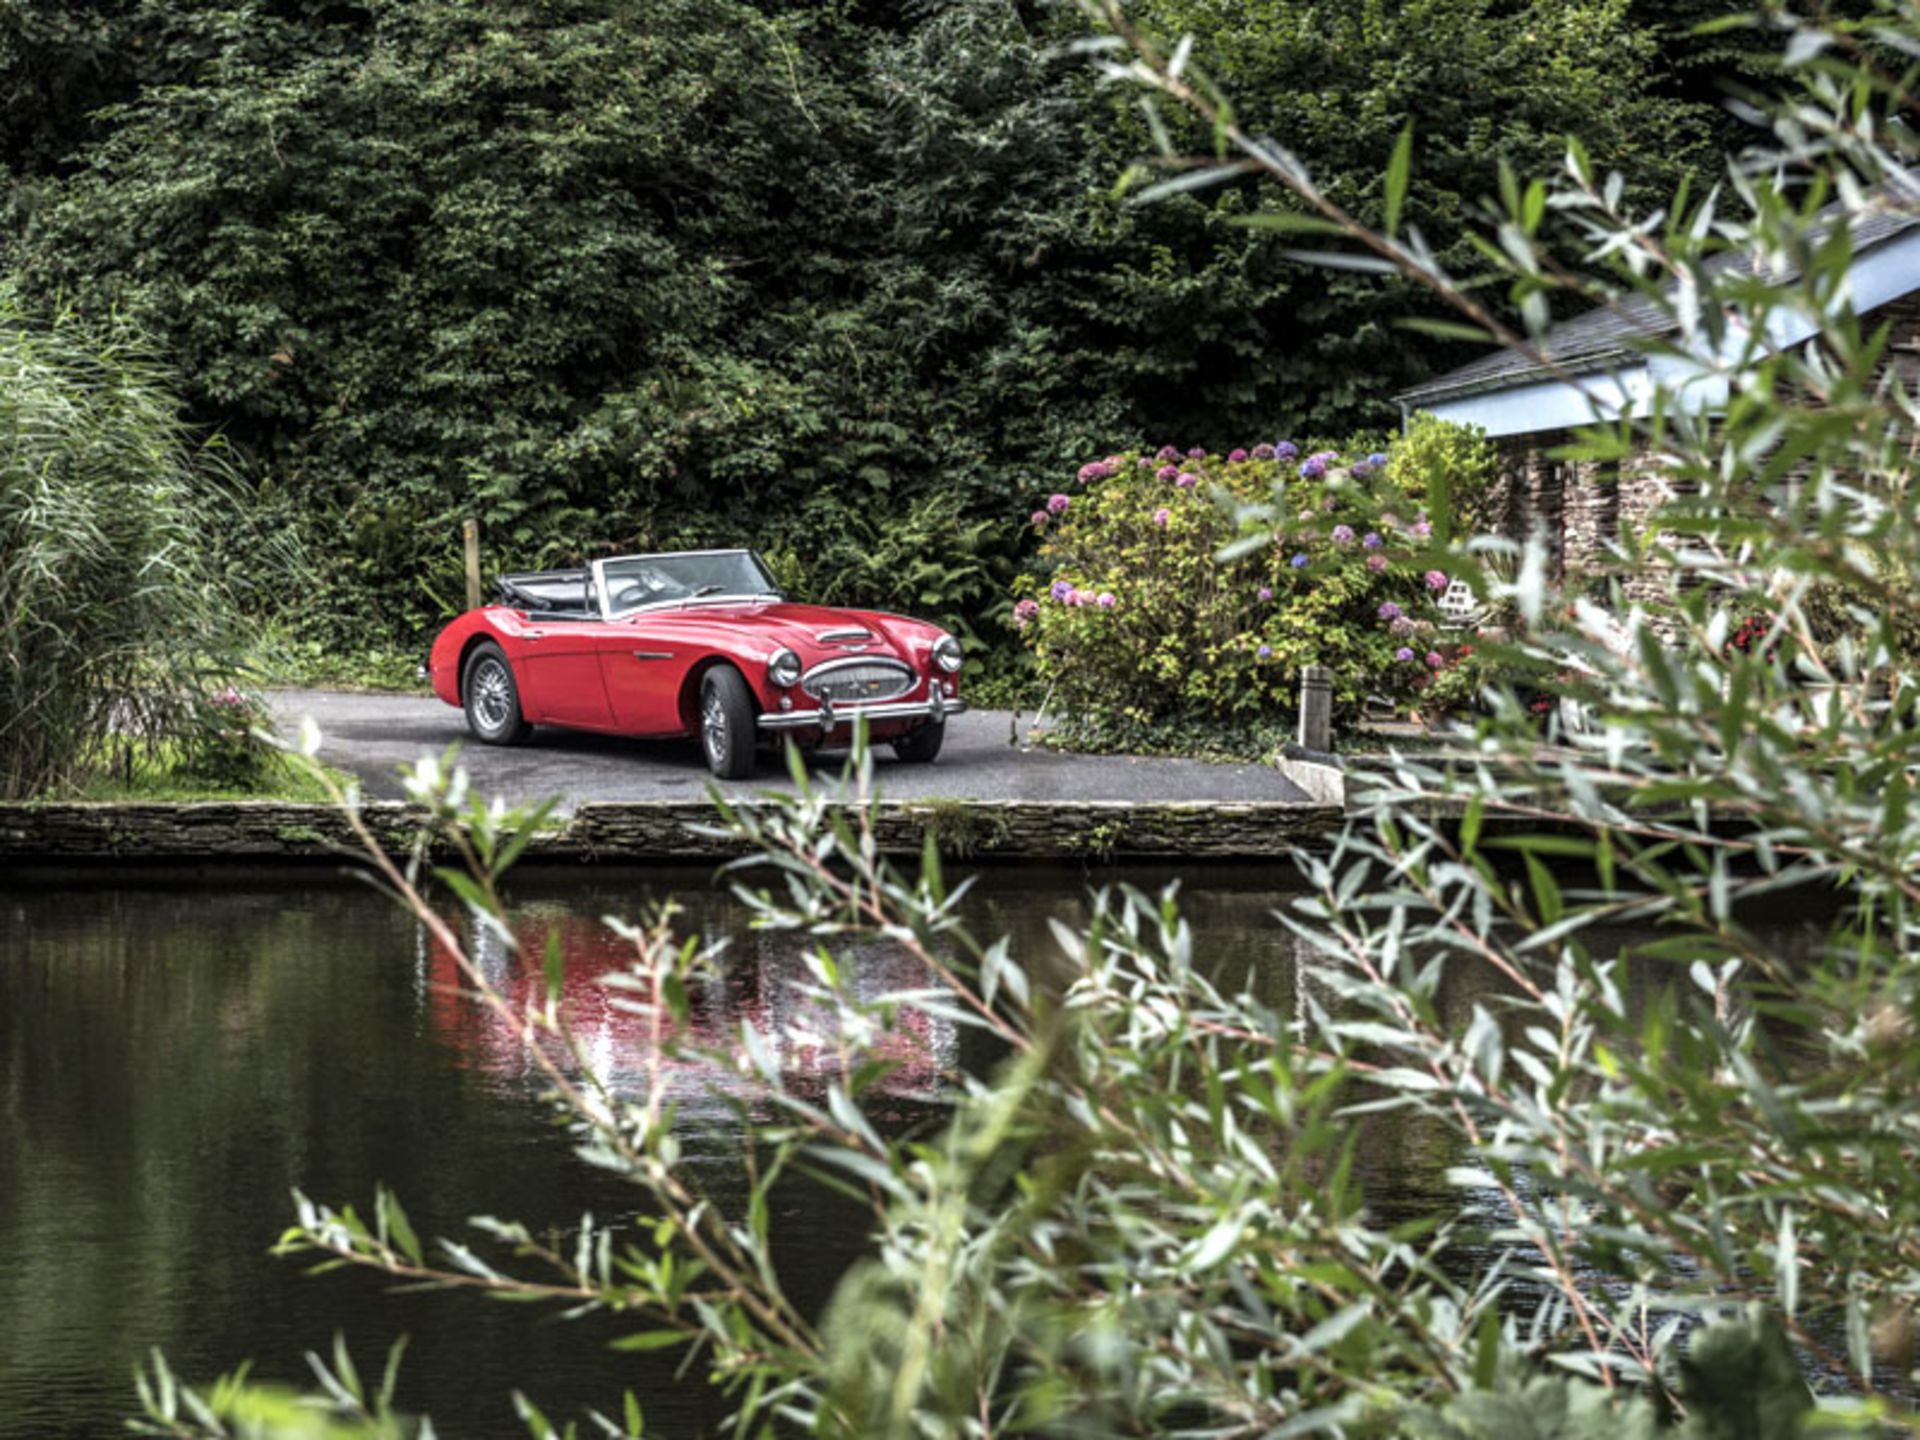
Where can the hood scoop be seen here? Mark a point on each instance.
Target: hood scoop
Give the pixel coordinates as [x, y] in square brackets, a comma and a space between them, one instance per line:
[851, 638]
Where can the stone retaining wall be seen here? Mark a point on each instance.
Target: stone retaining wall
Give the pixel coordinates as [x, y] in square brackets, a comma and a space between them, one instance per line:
[265, 830]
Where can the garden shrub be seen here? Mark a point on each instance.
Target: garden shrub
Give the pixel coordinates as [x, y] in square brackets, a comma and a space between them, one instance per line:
[1451, 467]
[1134, 616]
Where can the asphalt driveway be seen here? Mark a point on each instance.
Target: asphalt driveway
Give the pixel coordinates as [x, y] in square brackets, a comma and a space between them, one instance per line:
[373, 735]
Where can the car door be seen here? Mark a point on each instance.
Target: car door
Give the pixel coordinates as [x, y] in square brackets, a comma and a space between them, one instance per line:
[559, 673]
[643, 668]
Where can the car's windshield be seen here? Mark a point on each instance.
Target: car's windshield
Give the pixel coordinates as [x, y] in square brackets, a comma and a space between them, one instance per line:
[639, 580]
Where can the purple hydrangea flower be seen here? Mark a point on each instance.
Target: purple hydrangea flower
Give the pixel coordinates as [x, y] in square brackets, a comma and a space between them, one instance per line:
[1163, 517]
[1060, 590]
[1024, 612]
[1403, 655]
[1372, 540]
[1437, 580]
[1362, 470]
[1167, 452]
[1196, 453]
[1376, 563]
[1039, 518]
[1286, 450]
[1235, 457]
[1263, 451]
[1299, 562]
[1434, 660]
[1166, 472]
[1343, 534]
[1263, 594]
[1265, 652]
[1313, 468]
[1187, 481]
[1390, 611]
[1105, 600]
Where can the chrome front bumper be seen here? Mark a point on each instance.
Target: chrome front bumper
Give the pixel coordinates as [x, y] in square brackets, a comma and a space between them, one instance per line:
[829, 717]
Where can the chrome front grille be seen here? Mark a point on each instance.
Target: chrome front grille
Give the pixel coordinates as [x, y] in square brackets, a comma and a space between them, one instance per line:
[857, 682]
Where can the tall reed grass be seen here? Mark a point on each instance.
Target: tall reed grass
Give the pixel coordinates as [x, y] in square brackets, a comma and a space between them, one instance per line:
[115, 623]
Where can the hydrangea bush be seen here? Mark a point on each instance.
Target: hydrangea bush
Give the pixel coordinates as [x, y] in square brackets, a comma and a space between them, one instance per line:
[1132, 614]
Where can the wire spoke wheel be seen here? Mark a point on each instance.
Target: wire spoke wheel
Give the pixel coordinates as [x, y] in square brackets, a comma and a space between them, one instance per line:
[492, 694]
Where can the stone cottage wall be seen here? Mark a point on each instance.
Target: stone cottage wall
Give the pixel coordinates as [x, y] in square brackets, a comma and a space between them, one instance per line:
[1580, 507]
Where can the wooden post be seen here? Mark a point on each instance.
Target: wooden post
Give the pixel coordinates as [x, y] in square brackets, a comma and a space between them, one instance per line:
[470, 531]
[1316, 708]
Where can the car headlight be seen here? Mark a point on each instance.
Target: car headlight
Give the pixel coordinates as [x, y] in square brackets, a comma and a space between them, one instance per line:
[946, 653]
[784, 668]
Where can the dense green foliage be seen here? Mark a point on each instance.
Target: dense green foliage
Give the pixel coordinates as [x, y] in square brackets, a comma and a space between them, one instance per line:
[116, 627]
[1135, 621]
[845, 281]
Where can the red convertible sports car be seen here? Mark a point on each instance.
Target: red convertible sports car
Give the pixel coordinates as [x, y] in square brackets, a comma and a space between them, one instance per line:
[699, 642]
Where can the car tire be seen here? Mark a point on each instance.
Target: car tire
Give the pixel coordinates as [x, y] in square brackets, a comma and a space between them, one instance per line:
[727, 735]
[491, 698]
[922, 745]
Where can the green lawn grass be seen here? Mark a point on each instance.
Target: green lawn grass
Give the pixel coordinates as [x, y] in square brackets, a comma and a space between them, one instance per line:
[160, 777]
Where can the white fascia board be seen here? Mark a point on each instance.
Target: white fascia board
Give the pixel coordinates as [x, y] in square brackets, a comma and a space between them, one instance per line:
[1600, 399]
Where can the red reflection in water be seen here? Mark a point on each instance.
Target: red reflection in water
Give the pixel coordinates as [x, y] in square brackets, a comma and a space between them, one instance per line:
[761, 978]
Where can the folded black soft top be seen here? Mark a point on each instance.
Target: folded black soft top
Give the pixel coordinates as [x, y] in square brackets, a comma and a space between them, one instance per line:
[549, 592]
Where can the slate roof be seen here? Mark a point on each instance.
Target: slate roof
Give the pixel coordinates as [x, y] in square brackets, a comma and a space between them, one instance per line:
[1587, 341]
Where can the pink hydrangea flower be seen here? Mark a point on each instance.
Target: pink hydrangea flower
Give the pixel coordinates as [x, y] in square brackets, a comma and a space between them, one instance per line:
[1196, 453]
[1163, 517]
[1112, 462]
[1187, 481]
[1166, 472]
[1024, 613]
[1389, 519]
[1058, 504]
[1263, 594]
[1144, 463]
[1437, 580]
[1039, 518]
[1094, 470]
[1434, 661]
[1263, 451]
[1106, 600]
[1422, 528]
[1402, 626]
[1236, 457]
[1167, 452]
[1376, 563]
[1343, 534]
[1403, 655]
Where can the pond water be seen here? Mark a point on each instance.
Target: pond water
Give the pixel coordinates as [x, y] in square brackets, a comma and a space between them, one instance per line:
[175, 1060]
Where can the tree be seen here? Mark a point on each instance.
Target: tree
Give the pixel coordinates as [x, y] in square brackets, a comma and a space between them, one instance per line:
[838, 280]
